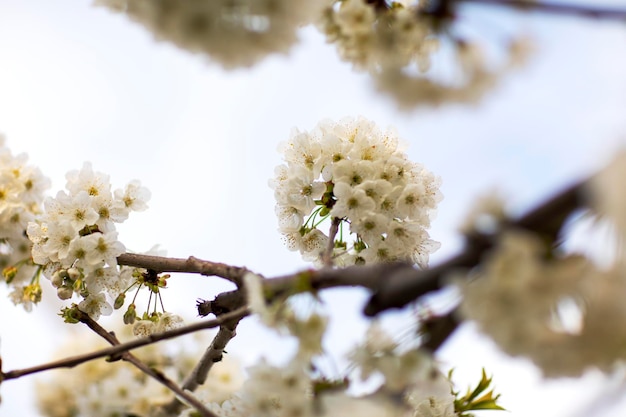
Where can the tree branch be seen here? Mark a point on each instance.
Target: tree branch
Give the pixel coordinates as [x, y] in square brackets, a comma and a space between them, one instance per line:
[192, 265]
[154, 373]
[556, 8]
[123, 347]
[212, 355]
[545, 220]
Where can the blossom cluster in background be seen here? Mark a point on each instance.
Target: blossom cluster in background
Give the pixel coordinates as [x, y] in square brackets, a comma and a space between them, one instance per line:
[408, 381]
[394, 41]
[22, 189]
[554, 306]
[110, 389]
[353, 173]
[373, 38]
[233, 32]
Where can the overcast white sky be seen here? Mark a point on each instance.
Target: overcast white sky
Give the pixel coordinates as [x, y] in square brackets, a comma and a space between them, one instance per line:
[80, 84]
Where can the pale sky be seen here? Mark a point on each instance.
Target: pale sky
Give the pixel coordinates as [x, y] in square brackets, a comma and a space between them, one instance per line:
[81, 84]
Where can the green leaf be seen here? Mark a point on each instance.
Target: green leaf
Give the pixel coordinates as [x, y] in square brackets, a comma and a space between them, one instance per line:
[478, 398]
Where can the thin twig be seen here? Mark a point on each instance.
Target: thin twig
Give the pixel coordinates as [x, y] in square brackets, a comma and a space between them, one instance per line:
[212, 355]
[556, 8]
[133, 344]
[191, 265]
[160, 377]
[154, 373]
[327, 256]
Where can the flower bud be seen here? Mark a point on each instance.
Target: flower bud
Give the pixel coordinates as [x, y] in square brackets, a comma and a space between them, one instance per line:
[73, 273]
[65, 293]
[56, 280]
[130, 315]
[119, 301]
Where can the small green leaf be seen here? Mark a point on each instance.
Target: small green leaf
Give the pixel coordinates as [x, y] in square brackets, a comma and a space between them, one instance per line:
[478, 398]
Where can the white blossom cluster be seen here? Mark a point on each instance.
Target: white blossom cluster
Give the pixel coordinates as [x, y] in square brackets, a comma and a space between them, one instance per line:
[113, 389]
[272, 391]
[375, 38]
[352, 173]
[396, 42]
[269, 391]
[515, 298]
[22, 189]
[409, 373]
[234, 33]
[76, 240]
[411, 384]
[557, 308]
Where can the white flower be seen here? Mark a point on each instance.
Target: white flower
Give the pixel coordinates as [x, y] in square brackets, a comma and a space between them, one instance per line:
[410, 202]
[34, 185]
[96, 305]
[143, 328]
[78, 251]
[59, 238]
[431, 395]
[226, 378]
[169, 321]
[309, 332]
[106, 248]
[274, 391]
[355, 18]
[300, 191]
[378, 251]
[78, 210]
[290, 219]
[110, 211]
[351, 202]
[93, 183]
[376, 189]
[353, 172]
[134, 197]
[303, 150]
[370, 226]
[106, 279]
[313, 244]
